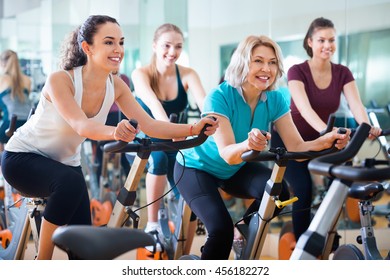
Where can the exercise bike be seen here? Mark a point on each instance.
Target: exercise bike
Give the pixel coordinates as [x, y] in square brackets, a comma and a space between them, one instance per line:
[102, 202]
[316, 242]
[255, 232]
[23, 217]
[68, 238]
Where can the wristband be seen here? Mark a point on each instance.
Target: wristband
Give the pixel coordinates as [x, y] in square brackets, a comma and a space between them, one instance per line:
[191, 127]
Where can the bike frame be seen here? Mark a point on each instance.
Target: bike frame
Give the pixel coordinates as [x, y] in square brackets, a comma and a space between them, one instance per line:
[316, 242]
[122, 209]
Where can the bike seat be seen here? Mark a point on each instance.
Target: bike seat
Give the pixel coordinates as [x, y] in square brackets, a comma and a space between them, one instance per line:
[99, 243]
[365, 192]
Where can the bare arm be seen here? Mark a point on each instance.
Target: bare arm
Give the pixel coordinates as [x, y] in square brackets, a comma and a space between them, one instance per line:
[157, 128]
[357, 108]
[195, 87]
[294, 142]
[60, 91]
[299, 95]
[231, 151]
[141, 81]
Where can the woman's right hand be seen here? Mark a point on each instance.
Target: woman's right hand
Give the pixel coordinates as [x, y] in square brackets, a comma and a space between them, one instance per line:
[337, 139]
[375, 132]
[257, 140]
[124, 131]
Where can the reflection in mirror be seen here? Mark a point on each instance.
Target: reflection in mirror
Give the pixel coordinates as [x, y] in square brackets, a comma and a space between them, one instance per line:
[212, 28]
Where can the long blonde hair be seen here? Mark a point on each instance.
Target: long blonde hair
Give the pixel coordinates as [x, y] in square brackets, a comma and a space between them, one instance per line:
[11, 67]
[167, 27]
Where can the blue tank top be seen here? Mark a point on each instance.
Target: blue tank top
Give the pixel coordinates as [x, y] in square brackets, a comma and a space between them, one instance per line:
[10, 106]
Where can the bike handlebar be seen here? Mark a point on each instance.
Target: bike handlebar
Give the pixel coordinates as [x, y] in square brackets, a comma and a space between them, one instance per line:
[330, 165]
[147, 144]
[277, 154]
[12, 126]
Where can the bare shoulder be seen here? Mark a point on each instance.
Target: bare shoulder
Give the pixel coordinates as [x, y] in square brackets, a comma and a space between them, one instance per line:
[118, 81]
[120, 86]
[184, 71]
[141, 72]
[61, 75]
[187, 73]
[59, 80]
[5, 82]
[5, 79]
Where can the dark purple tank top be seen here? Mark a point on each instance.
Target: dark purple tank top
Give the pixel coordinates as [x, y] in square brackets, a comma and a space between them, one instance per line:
[323, 101]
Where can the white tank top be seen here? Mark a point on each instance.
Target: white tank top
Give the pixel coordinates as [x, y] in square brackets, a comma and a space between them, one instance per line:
[48, 134]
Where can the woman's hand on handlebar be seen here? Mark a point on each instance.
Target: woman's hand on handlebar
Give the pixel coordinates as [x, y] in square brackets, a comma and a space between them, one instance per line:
[337, 139]
[125, 132]
[257, 139]
[375, 132]
[211, 128]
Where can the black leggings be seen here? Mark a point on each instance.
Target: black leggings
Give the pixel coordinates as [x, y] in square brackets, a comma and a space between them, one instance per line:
[200, 190]
[298, 176]
[38, 176]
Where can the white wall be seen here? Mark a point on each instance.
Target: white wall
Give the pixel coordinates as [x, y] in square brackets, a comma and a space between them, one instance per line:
[213, 23]
[37, 27]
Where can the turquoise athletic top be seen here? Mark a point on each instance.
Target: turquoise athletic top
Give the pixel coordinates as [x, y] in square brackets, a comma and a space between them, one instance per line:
[229, 102]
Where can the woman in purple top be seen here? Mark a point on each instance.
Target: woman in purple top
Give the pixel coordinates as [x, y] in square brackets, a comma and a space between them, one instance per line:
[316, 86]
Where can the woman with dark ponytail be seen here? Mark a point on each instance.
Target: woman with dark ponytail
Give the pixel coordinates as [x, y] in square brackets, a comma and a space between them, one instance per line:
[74, 105]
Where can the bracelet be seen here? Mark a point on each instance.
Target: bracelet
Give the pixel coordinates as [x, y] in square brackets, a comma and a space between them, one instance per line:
[191, 127]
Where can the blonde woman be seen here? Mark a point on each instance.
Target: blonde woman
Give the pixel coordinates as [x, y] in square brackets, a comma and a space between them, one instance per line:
[245, 103]
[162, 89]
[15, 87]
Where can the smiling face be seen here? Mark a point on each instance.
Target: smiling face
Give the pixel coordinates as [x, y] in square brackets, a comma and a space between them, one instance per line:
[107, 49]
[323, 43]
[263, 68]
[168, 47]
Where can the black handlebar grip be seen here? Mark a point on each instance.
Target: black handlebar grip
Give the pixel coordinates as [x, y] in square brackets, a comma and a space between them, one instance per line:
[117, 145]
[329, 125]
[12, 126]
[385, 132]
[252, 154]
[133, 122]
[173, 118]
[342, 130]
[207, 125]
[323, 165]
